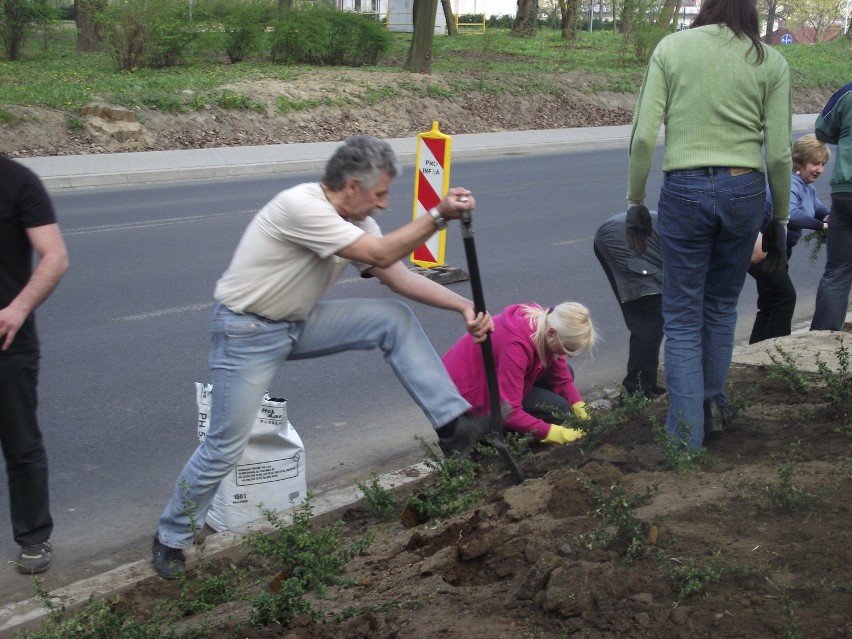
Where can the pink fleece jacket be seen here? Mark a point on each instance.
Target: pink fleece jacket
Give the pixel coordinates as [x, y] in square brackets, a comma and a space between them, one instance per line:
[518, 368]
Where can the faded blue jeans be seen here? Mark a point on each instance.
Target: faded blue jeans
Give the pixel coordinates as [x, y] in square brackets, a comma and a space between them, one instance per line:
[709, 220]
[247, 353]
[832, 299]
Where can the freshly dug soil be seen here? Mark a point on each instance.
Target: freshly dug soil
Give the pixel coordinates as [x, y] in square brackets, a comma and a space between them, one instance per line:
[728, 560]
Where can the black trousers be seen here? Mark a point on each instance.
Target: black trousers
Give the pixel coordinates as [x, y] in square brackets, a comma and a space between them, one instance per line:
[23, 449]
[776, 302]
[541, 399]
[644, 319]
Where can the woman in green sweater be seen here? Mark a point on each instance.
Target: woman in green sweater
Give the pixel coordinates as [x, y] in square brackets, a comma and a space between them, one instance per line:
[723, 95]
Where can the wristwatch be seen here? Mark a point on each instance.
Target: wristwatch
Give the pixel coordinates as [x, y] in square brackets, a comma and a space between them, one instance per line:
[440, 222]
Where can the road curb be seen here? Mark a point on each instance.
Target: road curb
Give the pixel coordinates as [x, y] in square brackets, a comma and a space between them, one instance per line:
[152, 167]
[30, 613]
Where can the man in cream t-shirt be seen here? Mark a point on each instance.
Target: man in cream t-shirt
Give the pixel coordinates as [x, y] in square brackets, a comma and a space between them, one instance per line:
[268, 309]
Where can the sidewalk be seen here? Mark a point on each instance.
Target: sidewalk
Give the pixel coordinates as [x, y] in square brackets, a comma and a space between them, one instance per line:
[117, 169]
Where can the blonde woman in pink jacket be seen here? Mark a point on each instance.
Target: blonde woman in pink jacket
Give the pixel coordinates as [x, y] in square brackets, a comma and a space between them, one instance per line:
[531, 347]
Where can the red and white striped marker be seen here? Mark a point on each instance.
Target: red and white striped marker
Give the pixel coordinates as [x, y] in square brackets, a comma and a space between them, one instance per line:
[430, 185]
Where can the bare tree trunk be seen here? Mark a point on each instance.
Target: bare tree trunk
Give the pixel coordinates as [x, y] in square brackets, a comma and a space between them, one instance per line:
[568, 9]
[629, 10]
[526, 20]
[420, 53]
[284, 5]
[771, 8]
[88, 31]
[452, 27]
[667, 13]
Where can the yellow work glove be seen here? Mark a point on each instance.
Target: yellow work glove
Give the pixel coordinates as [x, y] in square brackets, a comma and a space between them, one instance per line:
[562, 435]
[579, 410]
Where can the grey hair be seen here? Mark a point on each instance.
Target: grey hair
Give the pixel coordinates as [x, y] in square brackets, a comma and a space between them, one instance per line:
[363, 158]
[573, 324]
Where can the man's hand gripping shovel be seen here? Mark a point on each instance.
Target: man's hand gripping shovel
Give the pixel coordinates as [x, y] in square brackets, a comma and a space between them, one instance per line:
[487, 351]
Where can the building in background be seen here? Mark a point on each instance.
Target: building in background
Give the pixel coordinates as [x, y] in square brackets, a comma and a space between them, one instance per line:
[399, 12]
[803, 35]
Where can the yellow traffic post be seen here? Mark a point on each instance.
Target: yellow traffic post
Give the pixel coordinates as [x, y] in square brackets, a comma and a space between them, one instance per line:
[431, 182]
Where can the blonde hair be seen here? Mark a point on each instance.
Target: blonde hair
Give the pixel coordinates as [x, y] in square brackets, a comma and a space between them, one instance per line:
[572, 322]
[808, 150]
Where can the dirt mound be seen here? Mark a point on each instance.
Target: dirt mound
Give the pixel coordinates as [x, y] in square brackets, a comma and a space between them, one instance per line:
[329, 105]
[756, 542]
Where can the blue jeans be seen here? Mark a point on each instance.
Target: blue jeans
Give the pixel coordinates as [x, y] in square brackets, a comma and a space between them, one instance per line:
[709, 220]
[832, 299]
[247, 353]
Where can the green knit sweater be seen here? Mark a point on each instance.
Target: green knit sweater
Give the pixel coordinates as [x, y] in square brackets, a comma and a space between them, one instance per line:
[719, 107]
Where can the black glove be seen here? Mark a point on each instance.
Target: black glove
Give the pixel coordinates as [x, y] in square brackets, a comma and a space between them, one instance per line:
[638, 227]
[775, 247]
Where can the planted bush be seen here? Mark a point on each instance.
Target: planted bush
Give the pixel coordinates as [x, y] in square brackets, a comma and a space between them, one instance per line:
[328, 37]
[147, 33]
[243, 25]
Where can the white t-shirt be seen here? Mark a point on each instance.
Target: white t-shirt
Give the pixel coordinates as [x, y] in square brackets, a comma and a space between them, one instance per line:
[285, 262]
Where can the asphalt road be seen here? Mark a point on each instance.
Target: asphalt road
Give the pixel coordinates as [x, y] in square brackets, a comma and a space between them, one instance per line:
[125, 336]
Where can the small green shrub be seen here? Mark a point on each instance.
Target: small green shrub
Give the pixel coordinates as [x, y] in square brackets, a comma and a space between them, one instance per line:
[838, 382]
[244, 26]
[379, 500]
[285, 104]
[8, 118]
[306, 559]
[518, 445]
[784, 369]
[327, 37]
[646, 36]
[618, 519]
[691, 579]
[165, 102]
[676, 450]
[783, 495]
[450, 490]
[75, 122]
[147, 33]
[737, 401]
[818, 239]
[230, 100]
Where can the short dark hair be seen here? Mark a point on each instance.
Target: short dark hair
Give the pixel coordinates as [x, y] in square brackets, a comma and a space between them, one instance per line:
[362, 157]
[740, 16]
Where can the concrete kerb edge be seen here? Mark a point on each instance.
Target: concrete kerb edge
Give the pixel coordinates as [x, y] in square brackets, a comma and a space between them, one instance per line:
[150, 176]
[27, 614]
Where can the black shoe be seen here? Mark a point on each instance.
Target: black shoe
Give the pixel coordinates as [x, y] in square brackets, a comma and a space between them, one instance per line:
[467, 431]
[168, 562]
[716, 419]
[656, 391]
[35, 559]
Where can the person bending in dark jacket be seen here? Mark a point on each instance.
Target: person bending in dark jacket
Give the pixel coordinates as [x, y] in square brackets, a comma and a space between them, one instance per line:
[637, 283]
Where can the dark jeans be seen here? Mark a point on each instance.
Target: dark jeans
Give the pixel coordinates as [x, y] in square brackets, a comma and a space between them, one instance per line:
[23, 449]
[541, 395]
[644, 319]
[776, 302]
[832, 299]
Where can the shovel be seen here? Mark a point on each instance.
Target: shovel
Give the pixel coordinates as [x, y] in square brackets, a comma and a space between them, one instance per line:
[487, 351]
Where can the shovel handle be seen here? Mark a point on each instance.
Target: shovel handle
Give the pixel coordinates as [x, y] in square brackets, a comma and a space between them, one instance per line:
[487, 350]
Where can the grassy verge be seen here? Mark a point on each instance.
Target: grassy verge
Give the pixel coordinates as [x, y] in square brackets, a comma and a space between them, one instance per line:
[53, 74]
